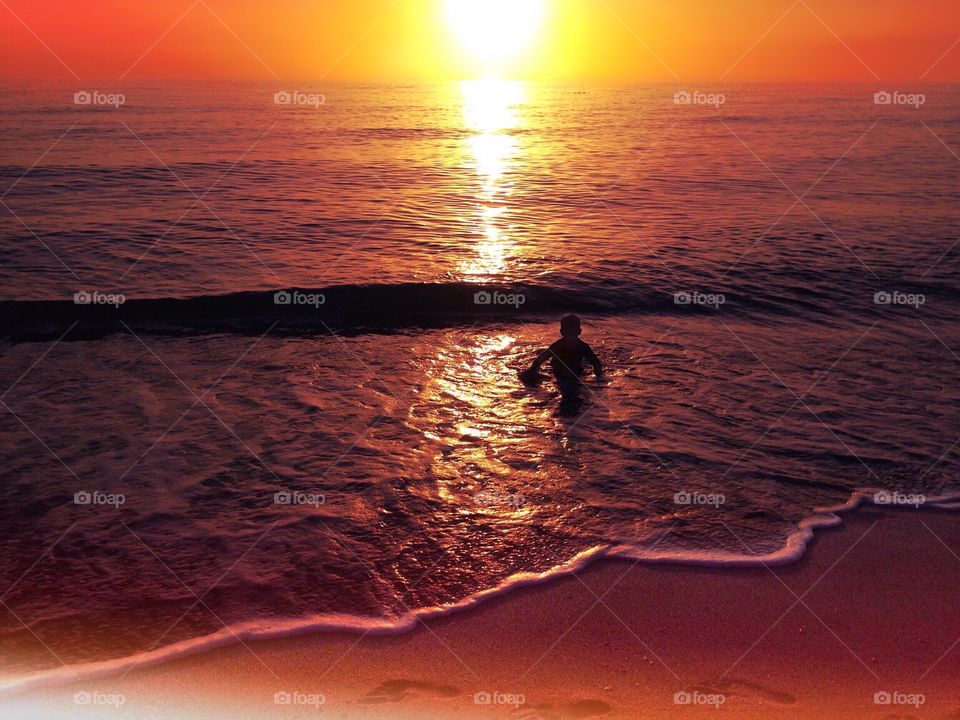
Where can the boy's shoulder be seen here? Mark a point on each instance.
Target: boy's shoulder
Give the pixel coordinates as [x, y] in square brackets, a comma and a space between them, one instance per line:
[570, 342]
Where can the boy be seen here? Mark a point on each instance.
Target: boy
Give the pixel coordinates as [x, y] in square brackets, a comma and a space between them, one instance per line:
[566, 358]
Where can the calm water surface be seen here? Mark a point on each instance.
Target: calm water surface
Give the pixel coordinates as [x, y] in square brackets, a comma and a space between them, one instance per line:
[333, 475]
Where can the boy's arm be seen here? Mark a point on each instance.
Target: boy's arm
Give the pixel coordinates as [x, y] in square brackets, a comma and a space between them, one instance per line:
[540, 359]
[592, 358]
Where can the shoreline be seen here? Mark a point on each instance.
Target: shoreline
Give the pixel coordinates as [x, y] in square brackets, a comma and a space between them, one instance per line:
[794, 549]
[501, 630]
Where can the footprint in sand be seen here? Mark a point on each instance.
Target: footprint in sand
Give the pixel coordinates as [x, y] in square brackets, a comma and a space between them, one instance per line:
[742, 688]
[572, 711]
[586, 709]
[396, 690]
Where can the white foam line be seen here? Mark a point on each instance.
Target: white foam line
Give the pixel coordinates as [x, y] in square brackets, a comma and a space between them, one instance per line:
[794, 549]
[796, 545]
[255, 631]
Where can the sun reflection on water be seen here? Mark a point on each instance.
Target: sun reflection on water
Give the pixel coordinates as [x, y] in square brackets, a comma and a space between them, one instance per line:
[491, 111]
[476, 426]
[482, 453]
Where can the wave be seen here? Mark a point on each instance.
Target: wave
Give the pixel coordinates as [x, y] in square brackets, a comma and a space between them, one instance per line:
[358, 308]
[793, 550]
[352, 308]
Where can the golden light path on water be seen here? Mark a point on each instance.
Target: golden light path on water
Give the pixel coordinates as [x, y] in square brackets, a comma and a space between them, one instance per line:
[490, 109]
[467, 406]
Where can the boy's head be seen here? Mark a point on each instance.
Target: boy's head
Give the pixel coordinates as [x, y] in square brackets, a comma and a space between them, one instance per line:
[570, 326]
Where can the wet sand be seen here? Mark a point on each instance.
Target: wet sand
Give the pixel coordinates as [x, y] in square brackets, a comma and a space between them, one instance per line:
[870, 609]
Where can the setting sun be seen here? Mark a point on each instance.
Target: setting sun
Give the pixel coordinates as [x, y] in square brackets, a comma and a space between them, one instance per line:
[494, 31]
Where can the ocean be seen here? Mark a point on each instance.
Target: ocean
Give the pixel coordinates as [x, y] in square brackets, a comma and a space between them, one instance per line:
[260, 352]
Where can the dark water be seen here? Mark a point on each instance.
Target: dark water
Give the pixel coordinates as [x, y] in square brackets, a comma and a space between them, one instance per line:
[772, 283]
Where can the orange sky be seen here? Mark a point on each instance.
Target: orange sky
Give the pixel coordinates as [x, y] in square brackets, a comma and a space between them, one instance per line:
[374, 40]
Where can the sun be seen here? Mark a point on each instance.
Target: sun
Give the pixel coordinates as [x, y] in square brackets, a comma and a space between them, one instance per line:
[494, 31]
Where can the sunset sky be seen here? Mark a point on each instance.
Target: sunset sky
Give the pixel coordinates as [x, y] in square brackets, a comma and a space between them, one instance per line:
[411, 40]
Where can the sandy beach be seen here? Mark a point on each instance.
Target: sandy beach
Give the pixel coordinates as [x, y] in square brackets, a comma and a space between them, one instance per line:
[859, 621]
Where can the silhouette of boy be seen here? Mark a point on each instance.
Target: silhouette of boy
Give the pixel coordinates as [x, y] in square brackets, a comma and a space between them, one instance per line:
[566, 357]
